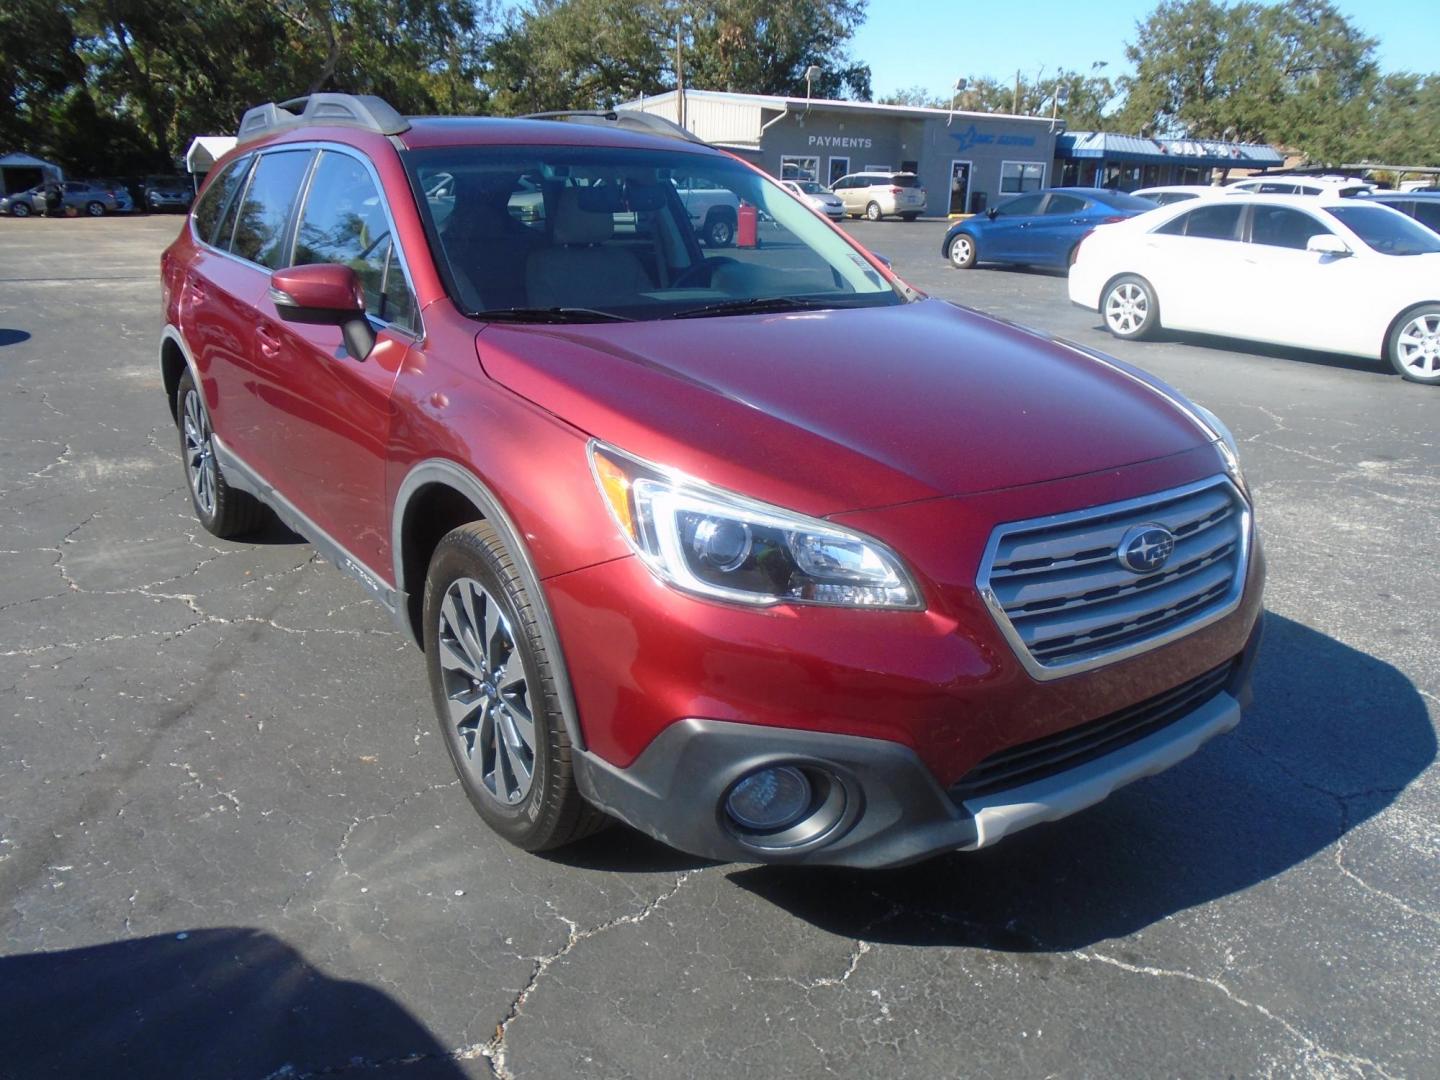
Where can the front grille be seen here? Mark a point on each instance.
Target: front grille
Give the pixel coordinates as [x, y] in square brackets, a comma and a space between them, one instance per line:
[1066, 749]
[1060, 594]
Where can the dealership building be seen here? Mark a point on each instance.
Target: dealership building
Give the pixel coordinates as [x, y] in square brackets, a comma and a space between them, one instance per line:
[965, 160]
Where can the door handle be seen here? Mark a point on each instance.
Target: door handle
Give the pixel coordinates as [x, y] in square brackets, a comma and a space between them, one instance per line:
[269, 343]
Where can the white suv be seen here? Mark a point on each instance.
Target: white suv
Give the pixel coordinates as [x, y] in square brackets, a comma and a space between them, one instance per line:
[881, 194]
[1281, 184]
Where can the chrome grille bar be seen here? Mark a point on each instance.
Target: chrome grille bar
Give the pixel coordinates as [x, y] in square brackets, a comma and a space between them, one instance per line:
[1061, 597]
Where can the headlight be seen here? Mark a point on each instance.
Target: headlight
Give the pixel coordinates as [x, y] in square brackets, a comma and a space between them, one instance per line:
[1224, 442]
[713, 543]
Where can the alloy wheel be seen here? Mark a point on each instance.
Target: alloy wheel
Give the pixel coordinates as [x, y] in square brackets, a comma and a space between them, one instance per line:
[960, 249]
[486, 691]
[199, 453]
[1126, 308]
[1418, 345]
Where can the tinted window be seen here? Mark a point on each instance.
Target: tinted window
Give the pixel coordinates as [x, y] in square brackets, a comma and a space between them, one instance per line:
[1206, 222]
[1279, 189]
[904, 181]
[260, 230]
[343, 222]
[1165, 198]
[397, 302]
[1121, 200]
[1428, 213]
[1280, 226]
[1064, 204]
[217, 196]
[1386, 231]
[1027, 204]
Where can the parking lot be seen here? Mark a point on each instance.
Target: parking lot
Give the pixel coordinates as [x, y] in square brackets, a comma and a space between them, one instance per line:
[232, 845]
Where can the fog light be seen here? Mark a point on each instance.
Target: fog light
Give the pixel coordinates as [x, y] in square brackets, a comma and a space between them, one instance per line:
[769, 799]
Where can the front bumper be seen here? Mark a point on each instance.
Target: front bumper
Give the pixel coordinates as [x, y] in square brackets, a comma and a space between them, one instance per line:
[891, 810]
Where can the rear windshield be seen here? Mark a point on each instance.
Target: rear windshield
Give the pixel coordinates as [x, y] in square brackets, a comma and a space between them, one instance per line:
[569, 233]
[905, 180]
[1121, 201]
[1387, 231]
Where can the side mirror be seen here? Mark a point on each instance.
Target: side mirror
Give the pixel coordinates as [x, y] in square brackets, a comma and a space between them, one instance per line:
[1328, 244]
[325, 294]
[992, 213]
[883, 261]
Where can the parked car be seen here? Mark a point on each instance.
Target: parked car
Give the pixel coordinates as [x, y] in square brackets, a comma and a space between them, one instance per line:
[816, 196]
[678, 550]
[168, 193]
[1039, 228]
[1423, 206]
[85, 197]
[1283, 184]
[879, 195]
[713, 210]
[1173, 193]
[1336, 275]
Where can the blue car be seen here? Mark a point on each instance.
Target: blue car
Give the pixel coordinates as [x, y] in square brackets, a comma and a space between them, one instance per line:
[1039, 228]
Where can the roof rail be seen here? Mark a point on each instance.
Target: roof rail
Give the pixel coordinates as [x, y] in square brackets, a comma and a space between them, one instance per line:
[363, 111]
[627, 118]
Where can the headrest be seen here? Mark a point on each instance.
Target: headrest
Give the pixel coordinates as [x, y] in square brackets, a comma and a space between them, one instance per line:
[577, 223]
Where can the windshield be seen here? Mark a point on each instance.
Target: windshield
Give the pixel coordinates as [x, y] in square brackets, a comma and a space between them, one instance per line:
[1387, 231]
[594, 233]
[810, 187]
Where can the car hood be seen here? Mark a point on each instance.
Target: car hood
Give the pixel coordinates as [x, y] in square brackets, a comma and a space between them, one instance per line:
[842, 410]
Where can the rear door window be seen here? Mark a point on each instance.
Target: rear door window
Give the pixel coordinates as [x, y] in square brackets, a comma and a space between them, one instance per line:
[1428, 213]
[1207, 222]
[217, 198]
[1064, 204]
[262, 228]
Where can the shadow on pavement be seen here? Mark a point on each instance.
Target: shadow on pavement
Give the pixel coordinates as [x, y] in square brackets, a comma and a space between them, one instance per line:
[1215, 343]
[204, 1004]
[13, 337]
[1333, 737]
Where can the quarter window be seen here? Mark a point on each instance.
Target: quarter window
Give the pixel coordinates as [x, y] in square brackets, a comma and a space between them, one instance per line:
[344, 222]
[217, 197]
[1018, 176]
[1280, 226]
[261, 229]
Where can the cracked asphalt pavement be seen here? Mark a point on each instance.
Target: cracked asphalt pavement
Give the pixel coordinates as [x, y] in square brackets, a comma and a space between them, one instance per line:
[231, 844]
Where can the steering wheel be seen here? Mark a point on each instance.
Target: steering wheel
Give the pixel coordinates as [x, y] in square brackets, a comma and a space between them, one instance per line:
[698, 275]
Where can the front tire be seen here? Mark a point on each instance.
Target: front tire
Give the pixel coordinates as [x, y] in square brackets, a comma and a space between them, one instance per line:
[719, 231]
[1130, 308]
[492, 683]
[95, 209]
[872, 212]
[1413, 347]
[221, 509]
[963, 253]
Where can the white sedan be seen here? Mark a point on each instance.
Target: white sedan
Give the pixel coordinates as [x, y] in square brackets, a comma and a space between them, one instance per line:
[1335, 275]
[816, 196]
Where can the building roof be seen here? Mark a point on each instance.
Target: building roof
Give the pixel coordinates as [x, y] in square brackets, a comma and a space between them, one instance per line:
[1138, 149]
[772, 101]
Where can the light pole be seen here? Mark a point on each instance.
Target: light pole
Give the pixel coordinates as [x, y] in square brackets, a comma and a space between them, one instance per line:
[960, 85]
[810, 73]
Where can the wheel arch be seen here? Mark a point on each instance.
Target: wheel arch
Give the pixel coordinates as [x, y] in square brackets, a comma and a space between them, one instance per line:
[438, 495]
[175, 360]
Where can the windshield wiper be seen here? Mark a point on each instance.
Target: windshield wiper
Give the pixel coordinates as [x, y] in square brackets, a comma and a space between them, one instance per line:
[550, 315]
[754, 304]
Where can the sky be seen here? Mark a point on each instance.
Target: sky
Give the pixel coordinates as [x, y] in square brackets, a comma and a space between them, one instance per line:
[931, 43]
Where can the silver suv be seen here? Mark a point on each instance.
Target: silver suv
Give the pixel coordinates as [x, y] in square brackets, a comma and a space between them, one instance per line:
[881, 194]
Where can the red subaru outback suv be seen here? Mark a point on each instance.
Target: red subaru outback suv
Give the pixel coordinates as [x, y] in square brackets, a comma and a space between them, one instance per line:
[753, 547]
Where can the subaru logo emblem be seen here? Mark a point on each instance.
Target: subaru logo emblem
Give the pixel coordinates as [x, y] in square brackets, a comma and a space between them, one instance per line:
[1144, 549]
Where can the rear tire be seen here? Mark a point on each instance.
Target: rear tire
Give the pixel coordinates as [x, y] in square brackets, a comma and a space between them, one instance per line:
[221, 509]
[493, 686]
[719, 230]
[1130, 308]
[20, 209]
[95, 209]
[872, 212]
[1413, 346]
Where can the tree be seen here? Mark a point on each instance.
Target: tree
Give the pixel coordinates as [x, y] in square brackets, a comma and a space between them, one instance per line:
[1295, 73]
[1081, 100]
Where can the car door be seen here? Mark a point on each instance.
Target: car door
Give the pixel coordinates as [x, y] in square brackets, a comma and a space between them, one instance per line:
[1005, 236]
[329, 410]
[1291, 296]
[1192, 262]
[1061, 224]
